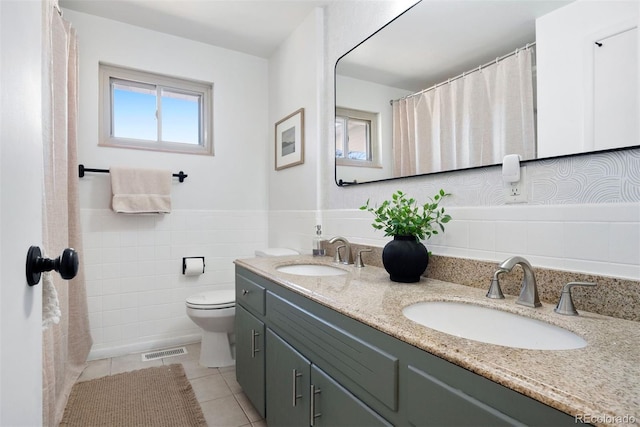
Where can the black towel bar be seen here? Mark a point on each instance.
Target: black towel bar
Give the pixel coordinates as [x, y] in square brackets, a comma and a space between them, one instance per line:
[81, 170]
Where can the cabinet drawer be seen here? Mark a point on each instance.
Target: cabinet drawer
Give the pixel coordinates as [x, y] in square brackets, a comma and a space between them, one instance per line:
[346, 357]
[250, 294]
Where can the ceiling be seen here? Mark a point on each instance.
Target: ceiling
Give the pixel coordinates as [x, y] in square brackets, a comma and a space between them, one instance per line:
[436, 29]
[256, 27]
[441, 39]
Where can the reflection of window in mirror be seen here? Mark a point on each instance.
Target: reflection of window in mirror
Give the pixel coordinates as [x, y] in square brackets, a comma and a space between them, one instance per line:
[357, 138]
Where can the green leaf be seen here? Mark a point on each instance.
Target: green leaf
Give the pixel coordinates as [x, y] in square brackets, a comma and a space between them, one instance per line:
[403, 216]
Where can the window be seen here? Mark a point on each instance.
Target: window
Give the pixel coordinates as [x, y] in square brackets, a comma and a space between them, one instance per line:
[357, 138]
[155, 112]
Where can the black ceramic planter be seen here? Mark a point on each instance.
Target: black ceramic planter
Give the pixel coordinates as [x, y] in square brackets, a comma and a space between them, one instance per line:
[405, 259]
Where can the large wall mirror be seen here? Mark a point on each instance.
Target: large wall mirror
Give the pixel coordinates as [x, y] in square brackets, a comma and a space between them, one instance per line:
[458, 84]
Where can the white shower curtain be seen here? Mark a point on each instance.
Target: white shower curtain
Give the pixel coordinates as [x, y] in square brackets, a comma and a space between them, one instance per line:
[472, 121]
[65, 345]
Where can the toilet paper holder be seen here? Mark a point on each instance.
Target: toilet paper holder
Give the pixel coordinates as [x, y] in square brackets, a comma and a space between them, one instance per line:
[184, 263]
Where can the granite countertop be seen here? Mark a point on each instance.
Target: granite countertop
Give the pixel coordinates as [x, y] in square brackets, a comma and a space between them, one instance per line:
[600, 382]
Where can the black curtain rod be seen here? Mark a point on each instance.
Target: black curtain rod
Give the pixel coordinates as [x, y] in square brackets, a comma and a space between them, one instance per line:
[81, 170]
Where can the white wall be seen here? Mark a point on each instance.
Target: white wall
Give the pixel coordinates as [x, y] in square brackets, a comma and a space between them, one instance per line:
[299, 75]
[239, 110]
[294, 70]
[295, 76]
[568, 198]
[133, 263]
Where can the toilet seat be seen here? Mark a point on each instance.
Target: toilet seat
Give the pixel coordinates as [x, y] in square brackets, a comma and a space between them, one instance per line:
[212, 300]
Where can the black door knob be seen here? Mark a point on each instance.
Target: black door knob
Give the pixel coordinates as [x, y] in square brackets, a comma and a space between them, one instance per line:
[66, 264]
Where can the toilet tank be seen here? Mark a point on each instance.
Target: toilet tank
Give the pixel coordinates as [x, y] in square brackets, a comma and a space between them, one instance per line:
[269, 252]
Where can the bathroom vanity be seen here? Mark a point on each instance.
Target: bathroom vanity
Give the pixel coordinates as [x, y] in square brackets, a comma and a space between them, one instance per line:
[336, 350]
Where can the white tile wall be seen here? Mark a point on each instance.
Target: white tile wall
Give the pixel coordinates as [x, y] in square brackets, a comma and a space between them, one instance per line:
[600, 239]
[133, 265]
[293, 229]
[136, 291]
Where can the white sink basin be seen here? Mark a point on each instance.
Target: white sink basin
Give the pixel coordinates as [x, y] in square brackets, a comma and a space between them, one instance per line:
[311, 270]
[492, 326]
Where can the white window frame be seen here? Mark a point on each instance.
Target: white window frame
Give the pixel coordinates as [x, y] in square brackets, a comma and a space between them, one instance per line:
[175, 84]
[374, 137]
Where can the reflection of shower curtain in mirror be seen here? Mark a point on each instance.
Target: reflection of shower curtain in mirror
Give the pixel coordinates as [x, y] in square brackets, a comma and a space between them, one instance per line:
[472, 121]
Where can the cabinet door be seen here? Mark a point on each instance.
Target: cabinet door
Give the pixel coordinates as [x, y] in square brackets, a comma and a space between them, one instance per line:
[334, 406]
[250, 357]
[288, 378]
[433, 402]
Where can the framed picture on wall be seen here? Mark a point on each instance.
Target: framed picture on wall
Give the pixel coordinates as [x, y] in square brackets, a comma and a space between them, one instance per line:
[290, 140]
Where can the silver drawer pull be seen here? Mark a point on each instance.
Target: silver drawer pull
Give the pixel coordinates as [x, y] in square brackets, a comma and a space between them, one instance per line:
[254, 347]
[294, 386]
[312, 411]
[245, 292]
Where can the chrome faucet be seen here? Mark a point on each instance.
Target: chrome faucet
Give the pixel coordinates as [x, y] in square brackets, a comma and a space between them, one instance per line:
[529, 291]
[349, 256]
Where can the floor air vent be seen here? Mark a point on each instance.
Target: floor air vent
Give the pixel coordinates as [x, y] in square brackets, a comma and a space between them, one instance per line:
[155, 355]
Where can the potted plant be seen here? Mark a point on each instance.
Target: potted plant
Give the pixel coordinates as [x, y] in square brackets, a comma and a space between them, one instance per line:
[405, 257]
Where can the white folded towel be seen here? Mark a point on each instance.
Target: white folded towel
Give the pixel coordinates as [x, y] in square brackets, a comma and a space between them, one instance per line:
[140, 190]
[50, 305]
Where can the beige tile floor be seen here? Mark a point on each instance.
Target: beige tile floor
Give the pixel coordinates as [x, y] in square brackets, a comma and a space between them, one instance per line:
[221, 398]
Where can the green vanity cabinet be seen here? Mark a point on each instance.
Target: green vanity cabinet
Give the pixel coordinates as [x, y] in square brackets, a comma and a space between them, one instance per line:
[250, 357]
[301, 394]
[321, 362]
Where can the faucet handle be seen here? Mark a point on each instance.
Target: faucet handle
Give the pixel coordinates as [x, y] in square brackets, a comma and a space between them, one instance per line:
[495, 292]
[359, 262]
[565, 305]
[337, 258]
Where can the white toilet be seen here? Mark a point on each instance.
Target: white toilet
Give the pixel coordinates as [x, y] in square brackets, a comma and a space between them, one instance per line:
[214, 312]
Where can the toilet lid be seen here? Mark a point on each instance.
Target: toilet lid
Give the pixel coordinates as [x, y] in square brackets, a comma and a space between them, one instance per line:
[212, 299]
